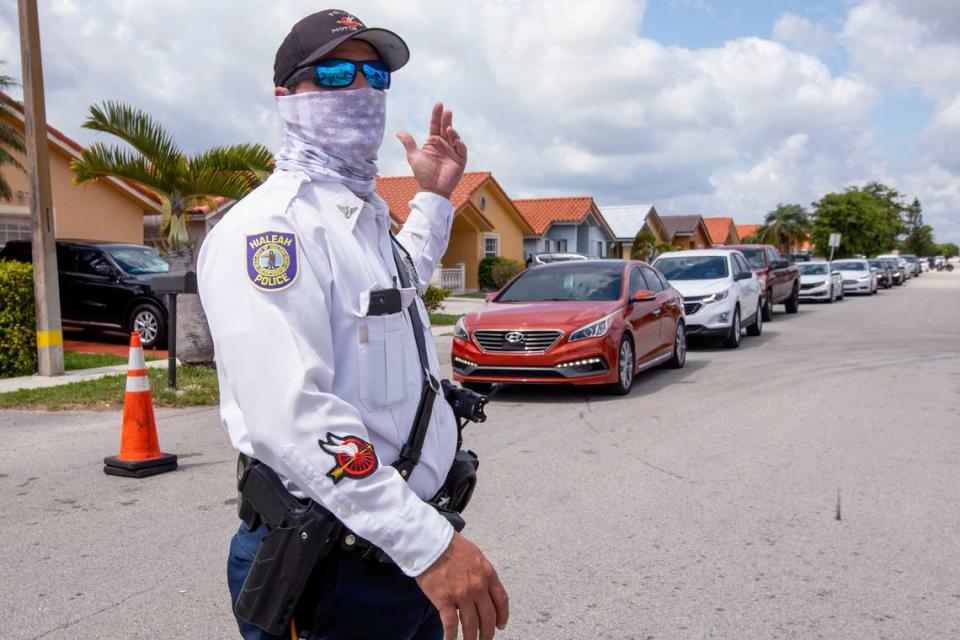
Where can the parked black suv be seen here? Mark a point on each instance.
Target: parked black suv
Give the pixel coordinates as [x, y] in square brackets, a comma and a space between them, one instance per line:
[106, 285]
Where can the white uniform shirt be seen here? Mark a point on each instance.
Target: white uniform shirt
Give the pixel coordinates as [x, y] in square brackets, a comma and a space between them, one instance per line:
[285, 279]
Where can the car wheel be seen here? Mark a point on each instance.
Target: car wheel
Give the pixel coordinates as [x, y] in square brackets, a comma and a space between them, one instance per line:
[792, 304]
[679, 357]
[756, 327]
[832, 295]
[732, 341]
[626, 367]
[147, 320]
[768, 306]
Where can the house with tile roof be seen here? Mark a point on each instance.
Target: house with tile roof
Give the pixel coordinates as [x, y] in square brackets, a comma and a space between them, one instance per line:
[486, 223]
[567, 224]
[110, 209]
[686, 232]
[722, 231]
[629, 220]
[747, 230]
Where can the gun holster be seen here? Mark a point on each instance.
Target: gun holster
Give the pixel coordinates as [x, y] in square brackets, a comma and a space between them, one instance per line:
[301, 534]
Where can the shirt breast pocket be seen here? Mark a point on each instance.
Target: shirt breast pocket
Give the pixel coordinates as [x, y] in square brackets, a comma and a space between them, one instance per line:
[382, 360]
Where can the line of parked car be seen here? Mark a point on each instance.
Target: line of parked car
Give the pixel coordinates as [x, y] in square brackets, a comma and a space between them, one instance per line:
[600, 322]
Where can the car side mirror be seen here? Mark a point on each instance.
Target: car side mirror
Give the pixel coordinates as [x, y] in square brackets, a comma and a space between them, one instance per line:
[743, 275]
[835, 273]
[491, 296]
[644, 295]
[104, 269]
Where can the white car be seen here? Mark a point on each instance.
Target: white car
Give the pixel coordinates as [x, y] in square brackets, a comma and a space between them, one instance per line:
[721, 293]
[819, 282]
[905, 267]
[857, 276]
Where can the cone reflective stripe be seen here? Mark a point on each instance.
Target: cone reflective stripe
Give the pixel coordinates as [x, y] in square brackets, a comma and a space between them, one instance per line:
[140, 454]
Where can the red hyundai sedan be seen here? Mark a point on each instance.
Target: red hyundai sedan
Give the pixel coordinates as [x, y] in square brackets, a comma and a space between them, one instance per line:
[582, 323]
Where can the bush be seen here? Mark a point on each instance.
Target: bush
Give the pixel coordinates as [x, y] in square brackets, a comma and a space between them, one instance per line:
[433, 298]
[18, 335]
[504, 271]
[493, 273]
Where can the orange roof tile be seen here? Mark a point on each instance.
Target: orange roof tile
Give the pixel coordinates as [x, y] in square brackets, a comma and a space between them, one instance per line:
[540, 213]
[399, 191]
[747, 230]
[718, 228]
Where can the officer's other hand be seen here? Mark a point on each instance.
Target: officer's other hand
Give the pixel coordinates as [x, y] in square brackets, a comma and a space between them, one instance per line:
[438, 165]
[463, 582]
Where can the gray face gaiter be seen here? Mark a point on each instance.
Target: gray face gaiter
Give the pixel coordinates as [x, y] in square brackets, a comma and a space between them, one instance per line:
[334, 135]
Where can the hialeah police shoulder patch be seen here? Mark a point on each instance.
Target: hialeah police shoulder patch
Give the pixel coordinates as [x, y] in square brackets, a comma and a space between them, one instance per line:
[272, 260]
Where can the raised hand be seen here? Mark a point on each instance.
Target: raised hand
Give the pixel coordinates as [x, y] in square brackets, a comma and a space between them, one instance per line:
[438, 165]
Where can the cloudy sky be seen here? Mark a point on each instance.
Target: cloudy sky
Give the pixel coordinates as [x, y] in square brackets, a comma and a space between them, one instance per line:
[717, 107]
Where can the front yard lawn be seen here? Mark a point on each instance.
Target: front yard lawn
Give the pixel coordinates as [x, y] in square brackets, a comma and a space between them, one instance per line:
[444, 319]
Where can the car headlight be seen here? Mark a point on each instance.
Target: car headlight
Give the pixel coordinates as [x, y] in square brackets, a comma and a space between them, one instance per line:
[592, 330]
[863, 278]
[715, 297]
[460, 330]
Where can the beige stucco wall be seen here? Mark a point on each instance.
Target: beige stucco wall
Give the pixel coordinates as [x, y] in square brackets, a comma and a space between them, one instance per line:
[98, 211]
[464, 247]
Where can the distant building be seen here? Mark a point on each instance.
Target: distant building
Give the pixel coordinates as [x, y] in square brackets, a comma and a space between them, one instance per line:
[108, 209]
[627, 221]
[722, 231]
[747, 230]
[566, 224]
[686, 232]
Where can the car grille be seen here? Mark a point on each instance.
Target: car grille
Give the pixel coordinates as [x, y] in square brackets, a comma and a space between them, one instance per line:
[490, 372]
[849, 282]
[534, 340]
[811, 285]
[689, 308]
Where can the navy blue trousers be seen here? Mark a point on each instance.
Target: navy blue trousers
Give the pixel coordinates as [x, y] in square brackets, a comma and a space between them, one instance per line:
[347, 598]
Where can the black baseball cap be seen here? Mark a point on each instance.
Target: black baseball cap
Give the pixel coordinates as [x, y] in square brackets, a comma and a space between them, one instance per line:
[320, 33]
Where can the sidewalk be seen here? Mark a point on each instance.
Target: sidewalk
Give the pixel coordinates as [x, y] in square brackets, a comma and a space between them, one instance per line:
[78, 375]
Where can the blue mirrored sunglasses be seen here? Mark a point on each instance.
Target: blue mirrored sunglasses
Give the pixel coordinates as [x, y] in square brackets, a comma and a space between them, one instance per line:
[336, 74]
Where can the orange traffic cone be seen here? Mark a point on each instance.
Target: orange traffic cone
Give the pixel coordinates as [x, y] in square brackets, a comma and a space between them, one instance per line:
[140, 454]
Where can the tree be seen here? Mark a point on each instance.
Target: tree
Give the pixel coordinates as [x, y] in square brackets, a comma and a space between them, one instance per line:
[863, 219]
[786, 226]
[11, 142]
[181, 182]
[643, 245]
[919, 239]
[949, 249]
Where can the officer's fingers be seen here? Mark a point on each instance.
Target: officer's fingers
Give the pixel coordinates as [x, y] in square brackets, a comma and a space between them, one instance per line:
[407, 141]
[435, 119]
[450, 621]
[446, 121]
[488, 617]
[469, 620]
[500, 600]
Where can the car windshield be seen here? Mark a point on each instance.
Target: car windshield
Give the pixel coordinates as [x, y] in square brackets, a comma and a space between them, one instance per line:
[693, 267]
[754, 257]
[850, 266]
[138, 260]
[812, 269]
[879, 264]
[572, 280]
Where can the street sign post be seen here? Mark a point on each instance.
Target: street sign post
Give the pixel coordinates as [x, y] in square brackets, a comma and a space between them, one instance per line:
[834, 243]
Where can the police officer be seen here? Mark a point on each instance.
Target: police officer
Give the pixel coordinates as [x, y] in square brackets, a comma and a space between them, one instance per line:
[319, 377]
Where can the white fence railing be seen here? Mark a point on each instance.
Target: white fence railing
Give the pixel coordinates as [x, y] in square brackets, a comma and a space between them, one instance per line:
[454, 278]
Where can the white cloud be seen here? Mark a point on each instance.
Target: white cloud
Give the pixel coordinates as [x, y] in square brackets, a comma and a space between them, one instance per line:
[799, 33]
[553, 96]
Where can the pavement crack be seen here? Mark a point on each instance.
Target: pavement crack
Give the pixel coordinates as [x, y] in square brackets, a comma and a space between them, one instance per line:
[661, 469]
[114, 605]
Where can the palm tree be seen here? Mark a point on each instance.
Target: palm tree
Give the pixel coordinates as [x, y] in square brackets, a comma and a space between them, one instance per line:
[643, 245]
[181, 182]
[785, 226]
[11, 141]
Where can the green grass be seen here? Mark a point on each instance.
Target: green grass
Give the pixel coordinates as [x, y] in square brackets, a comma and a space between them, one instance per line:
[73, 360]
[444, 319]
[197, 386]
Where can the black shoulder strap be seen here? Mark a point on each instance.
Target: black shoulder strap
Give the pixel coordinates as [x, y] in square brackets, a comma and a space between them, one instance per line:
[410, 453]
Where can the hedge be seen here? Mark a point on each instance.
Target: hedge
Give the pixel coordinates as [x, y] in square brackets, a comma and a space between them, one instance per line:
[493, 273]
[18, 336]
[433, 298]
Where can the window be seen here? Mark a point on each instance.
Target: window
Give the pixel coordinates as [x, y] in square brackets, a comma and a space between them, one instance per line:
[14, 228]
[91, 261]
[772, 254]
[740, 263]
[483, 202]
[599, 248]
[491, 245]
[636, 281]
[547, 245]
[653, 282]
[562, 245]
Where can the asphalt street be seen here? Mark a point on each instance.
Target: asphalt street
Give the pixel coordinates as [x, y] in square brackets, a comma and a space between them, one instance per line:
[804, 486]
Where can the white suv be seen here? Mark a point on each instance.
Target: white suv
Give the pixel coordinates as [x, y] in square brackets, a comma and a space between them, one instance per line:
[721, 293]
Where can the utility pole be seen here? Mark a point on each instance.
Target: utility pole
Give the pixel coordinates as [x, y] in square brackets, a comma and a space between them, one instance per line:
[46, 284]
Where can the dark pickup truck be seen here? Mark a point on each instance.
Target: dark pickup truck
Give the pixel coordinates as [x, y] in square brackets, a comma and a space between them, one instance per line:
[779, 280]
